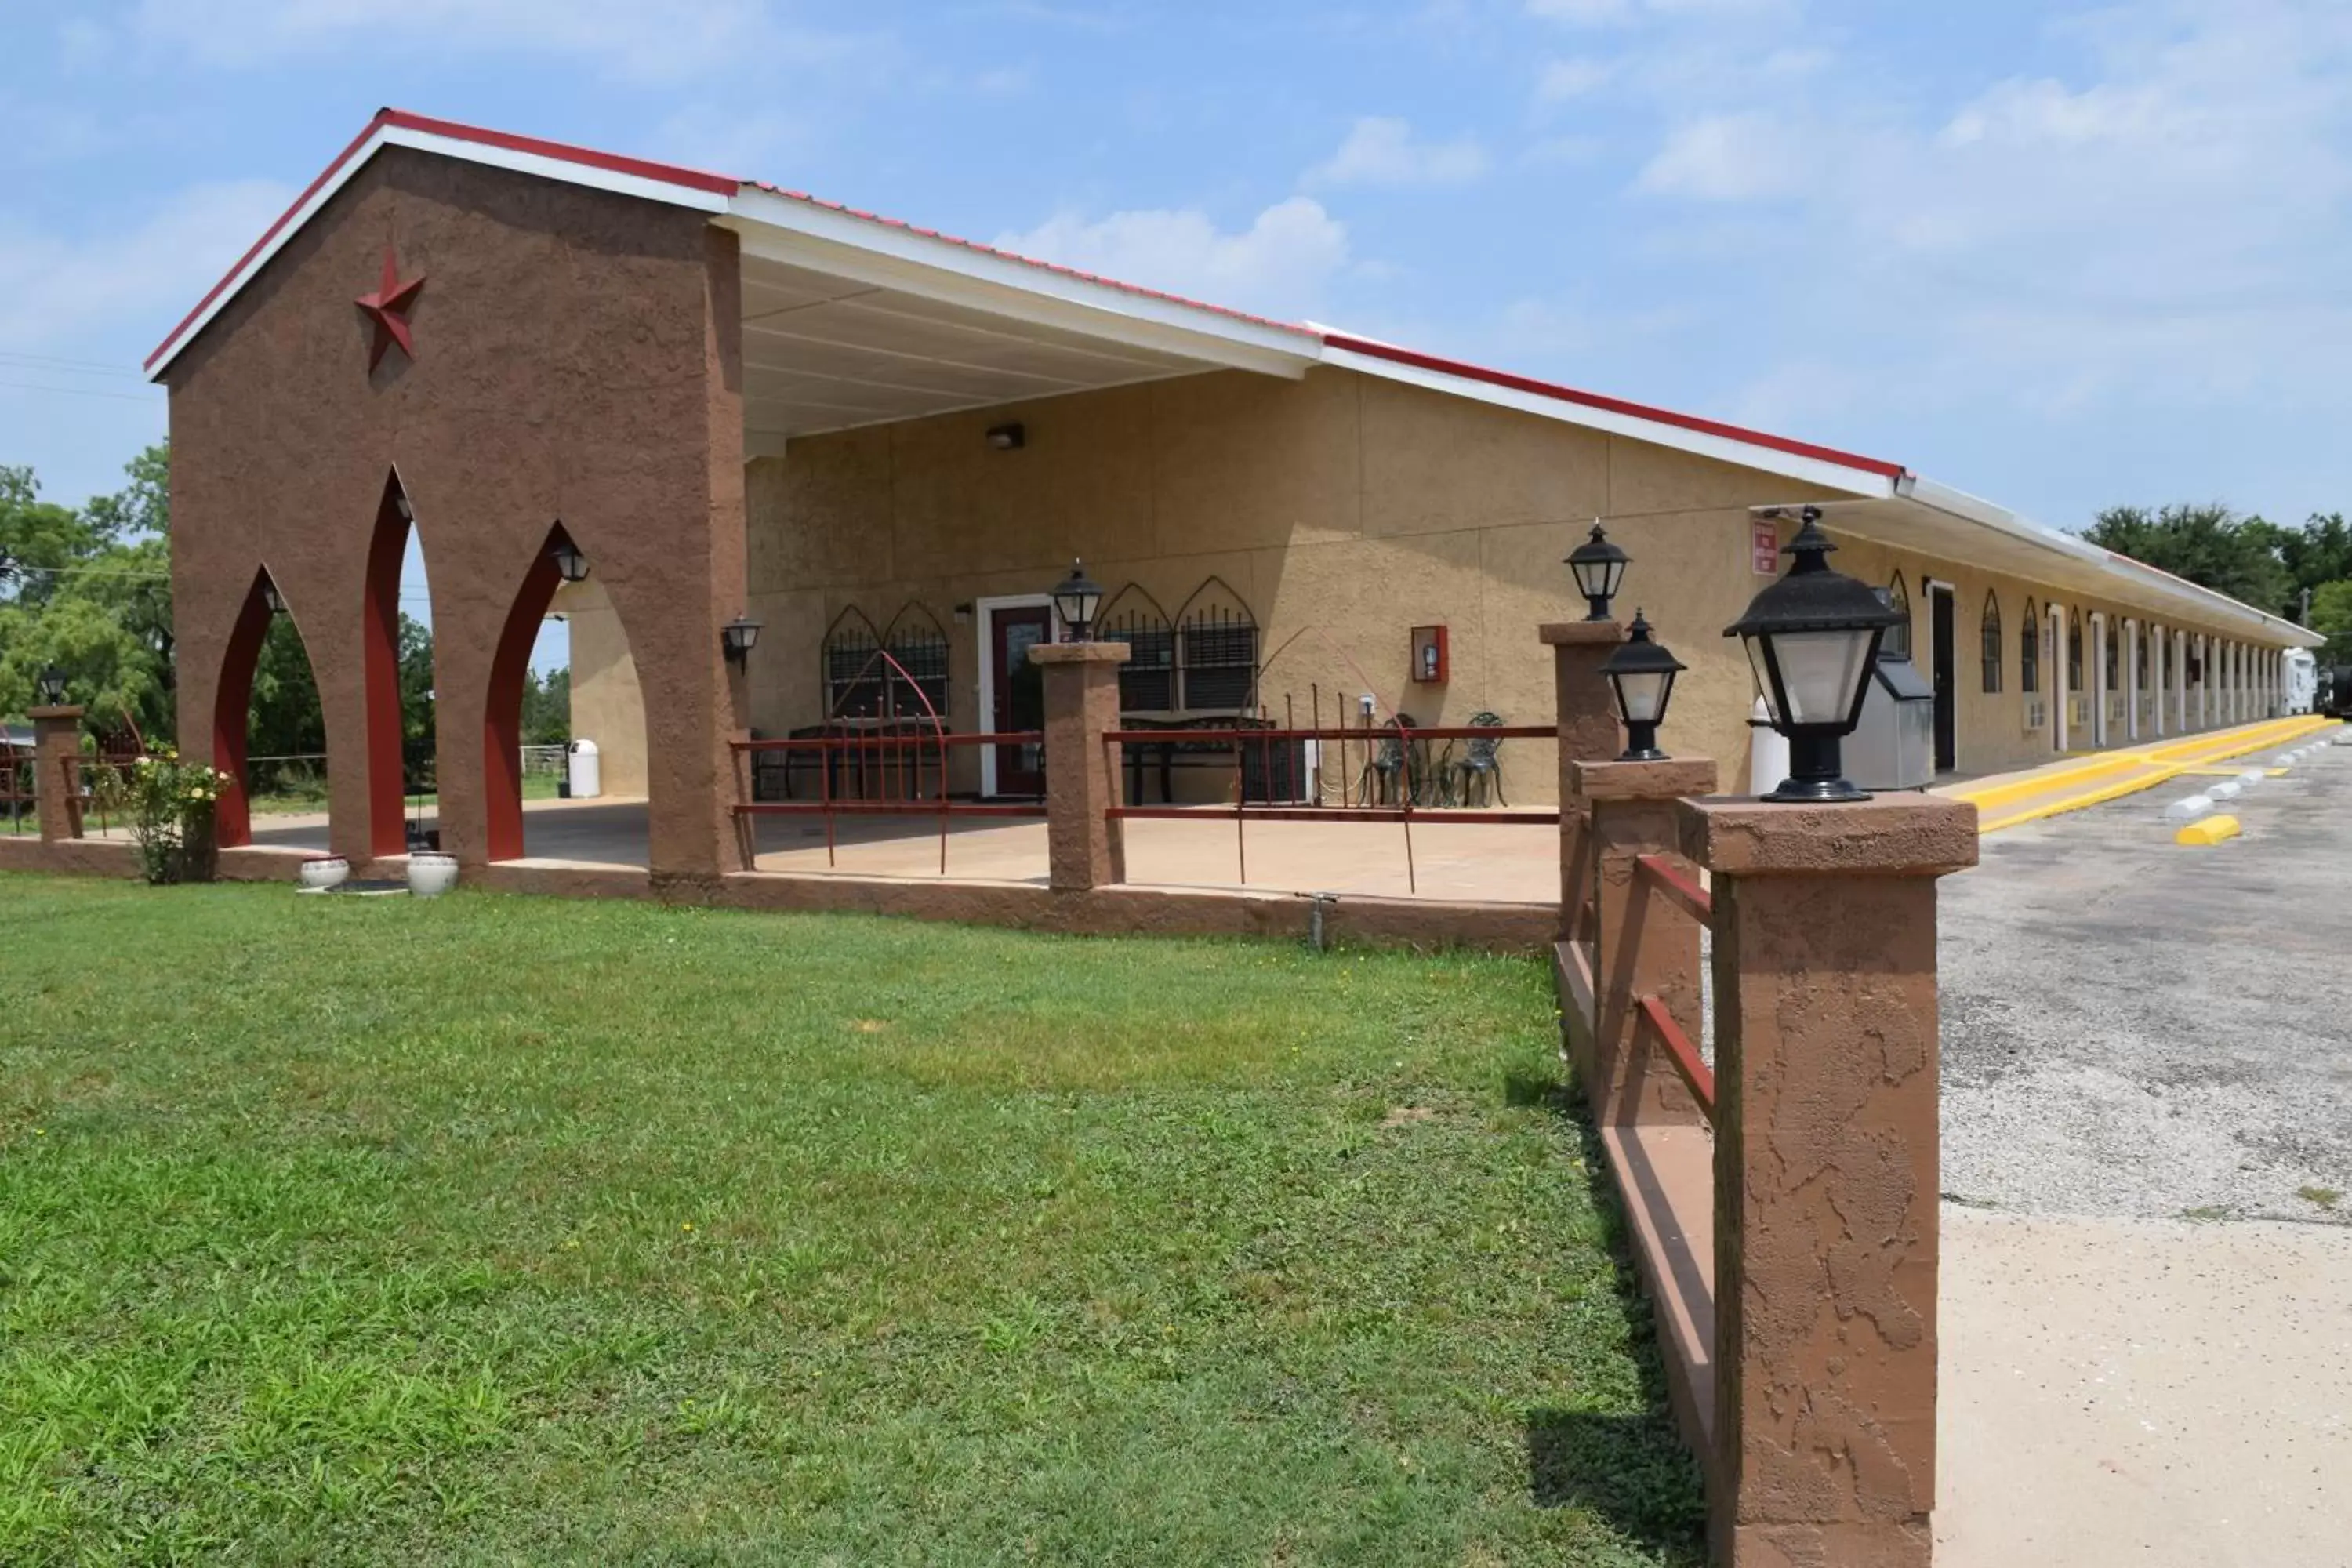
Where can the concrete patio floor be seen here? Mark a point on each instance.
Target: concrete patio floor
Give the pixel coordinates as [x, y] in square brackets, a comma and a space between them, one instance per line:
[1470, 862]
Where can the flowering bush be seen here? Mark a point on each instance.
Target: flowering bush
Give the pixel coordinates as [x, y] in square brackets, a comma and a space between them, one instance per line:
[170, 804]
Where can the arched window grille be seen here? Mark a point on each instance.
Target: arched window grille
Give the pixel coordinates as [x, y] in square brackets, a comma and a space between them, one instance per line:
[1216, 650]
[2075, 651]
[1989, 641]
[2114, 655]
[919, 643]
[2029, 651]
[1147, 681]
[854, 683]
[1899, 636]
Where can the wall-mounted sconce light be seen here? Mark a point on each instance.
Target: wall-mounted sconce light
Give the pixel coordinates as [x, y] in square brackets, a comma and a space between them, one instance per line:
[272, 598]
[737, 637]
[400, 504]
[1008, 438]
[570, 563]
[963, 614]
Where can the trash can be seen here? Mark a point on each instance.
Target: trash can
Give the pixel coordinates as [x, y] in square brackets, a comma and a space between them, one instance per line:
[584, 772]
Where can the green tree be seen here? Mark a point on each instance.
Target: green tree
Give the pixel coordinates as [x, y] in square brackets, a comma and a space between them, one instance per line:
[89, 591]
[2331, 616]
[2210, 545]
[547, 708]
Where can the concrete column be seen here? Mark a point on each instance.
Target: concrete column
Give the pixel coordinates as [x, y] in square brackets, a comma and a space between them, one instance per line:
[2097, 631]
[2131, 678]
[2062, 691]
[2180, 682]
[56, 762]
[1825, 1229]
[1085, 850]
[2157, 644]
[2204, 681]
[1644, 944]
[1589, 733]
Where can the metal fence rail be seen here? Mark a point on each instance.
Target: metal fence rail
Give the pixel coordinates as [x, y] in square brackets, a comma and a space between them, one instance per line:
[908, 770]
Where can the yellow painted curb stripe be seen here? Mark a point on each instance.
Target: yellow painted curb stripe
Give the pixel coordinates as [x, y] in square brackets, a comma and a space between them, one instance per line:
[2188, 751]
[2211, 748]
[2210, 831]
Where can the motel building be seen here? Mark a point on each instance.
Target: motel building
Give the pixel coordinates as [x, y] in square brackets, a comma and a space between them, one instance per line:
[666, 404]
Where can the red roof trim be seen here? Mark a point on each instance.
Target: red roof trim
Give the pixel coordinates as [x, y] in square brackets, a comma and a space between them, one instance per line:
[1054, 267]
[669, 174]
[1612, 405]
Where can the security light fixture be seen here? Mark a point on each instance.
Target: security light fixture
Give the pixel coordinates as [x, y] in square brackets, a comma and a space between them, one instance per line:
[1077, 597]
[52, 685]
[1812, 638]
[1007, 437]
[570, 563]
[738, 636]
[272, 598]
[1642, 672]
[1600, 568]
[400, 504]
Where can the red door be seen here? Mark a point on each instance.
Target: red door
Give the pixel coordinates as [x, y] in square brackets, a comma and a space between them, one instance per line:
[1018, 703]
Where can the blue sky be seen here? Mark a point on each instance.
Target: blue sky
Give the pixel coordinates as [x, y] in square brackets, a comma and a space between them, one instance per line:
[2059, 256]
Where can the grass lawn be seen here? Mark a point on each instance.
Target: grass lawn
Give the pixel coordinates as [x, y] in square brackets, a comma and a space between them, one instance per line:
[501, 1229]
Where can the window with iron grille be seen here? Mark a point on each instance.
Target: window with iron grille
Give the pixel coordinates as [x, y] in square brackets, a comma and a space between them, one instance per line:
[2074, 651]
[1219, 659]
[855, 687]
[2029, 651]
[921, 649]
[1899, 636]
[1989, 641]
[1147, 681]
[2114, 656]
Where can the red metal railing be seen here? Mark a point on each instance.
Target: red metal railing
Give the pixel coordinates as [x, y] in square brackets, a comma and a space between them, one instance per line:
[1673, 878]
[1388, 749]
[19, 800]
[909, 769]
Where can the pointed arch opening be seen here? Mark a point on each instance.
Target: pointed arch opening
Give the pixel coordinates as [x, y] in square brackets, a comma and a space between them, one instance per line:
[2029, 651]
[396, 673]
[1988, 643]
[269, 732]
[1216, 650]
[563, 678]
[1899, 636]
[1147, 681]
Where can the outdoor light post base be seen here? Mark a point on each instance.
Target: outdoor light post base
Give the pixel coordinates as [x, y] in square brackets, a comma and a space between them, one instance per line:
[1083, 848]
[1825, 1177]
[1589, 733]
[1816, 774]
[57, 757]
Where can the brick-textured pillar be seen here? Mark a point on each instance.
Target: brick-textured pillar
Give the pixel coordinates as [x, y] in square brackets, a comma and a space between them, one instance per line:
[1825, 1175]
[1589, 733]
[1644, 944]
[57, 754]
[1081, 681]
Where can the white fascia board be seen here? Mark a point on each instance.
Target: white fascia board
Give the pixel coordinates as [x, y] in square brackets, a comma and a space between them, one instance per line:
[569, 171]
[868, 250]
[1658, 433]
[2200, 602]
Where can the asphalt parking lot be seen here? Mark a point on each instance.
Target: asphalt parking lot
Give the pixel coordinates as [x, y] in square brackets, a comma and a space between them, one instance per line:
[2133, 1027]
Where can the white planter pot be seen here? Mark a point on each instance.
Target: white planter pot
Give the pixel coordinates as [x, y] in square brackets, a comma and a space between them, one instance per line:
[431, 873]
[323, 871]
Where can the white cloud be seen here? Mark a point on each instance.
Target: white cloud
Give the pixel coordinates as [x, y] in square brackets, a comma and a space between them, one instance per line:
[1278, 266]
[1564, 80]
[52, 286]
[1725, 157]
[1582, 13]
[1383, 152]
[668, 42]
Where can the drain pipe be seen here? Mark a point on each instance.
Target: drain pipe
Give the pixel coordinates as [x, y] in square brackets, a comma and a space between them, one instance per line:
[1318, 935]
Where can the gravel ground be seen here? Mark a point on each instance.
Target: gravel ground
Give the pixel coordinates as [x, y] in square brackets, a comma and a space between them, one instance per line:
[2134, 1027]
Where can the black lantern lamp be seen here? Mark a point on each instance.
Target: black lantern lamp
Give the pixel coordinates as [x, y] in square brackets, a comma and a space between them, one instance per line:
[570, 563]
[272, 598]
[51, 684]
[737, 637]
[1077, 597]
[1600, 569]
[1812, 638]
[1642, 673]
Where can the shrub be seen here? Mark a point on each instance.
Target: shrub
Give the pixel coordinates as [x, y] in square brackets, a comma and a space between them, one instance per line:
[170, 804]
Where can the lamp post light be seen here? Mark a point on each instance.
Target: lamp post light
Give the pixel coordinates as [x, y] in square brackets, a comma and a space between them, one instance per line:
[737, 638]
[51, 684]
[1812, 639]
[570, 563]
[1077, 597]
[1600, 568]
[1642, 673]
[272, 598]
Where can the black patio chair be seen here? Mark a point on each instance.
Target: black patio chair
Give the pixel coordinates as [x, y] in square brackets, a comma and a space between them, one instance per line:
[1480, 765]
[1394, 763]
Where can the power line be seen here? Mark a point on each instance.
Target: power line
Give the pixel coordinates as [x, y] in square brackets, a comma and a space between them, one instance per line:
[78, 366]
[79, 392]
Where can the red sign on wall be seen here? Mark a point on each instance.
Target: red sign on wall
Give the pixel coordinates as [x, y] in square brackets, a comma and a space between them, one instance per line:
[1764, 546]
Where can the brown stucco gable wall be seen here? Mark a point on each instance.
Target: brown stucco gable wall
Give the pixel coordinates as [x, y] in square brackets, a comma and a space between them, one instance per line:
[577, 359]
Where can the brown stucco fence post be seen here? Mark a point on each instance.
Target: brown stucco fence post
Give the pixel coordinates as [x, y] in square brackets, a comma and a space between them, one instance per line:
[1642, 944]
[1589, 733]
[1826, 1164]
[1084, 847]
[57, 758]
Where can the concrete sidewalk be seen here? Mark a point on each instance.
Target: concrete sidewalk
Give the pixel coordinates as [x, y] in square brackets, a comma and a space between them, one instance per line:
[2161, 1394]
[2092, 778]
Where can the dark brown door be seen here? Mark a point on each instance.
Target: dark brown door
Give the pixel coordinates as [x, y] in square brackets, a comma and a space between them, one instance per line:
[1948, 686]
[1018, 703]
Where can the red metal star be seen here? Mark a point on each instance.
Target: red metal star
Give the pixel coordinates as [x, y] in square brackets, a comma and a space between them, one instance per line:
[388, 308]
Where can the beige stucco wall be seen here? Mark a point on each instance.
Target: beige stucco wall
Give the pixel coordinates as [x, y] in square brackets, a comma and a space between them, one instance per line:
[1344, 510]
[607, 707]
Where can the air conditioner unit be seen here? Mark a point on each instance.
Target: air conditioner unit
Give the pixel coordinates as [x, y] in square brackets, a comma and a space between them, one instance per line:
[2037, 713]
[2114, 708]
[2078, 711]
